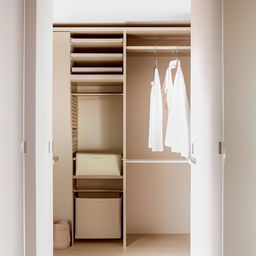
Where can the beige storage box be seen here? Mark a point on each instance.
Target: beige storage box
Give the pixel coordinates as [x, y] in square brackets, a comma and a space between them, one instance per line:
[97, 218]
[98, 164]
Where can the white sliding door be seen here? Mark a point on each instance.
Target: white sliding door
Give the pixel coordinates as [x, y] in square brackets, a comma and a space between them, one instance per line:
[11, 27]
[38, 128]
[206, 107]
[240, 127]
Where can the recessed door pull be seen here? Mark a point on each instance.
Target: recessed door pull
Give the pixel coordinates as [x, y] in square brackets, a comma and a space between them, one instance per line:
[24, 147]
[221, 148]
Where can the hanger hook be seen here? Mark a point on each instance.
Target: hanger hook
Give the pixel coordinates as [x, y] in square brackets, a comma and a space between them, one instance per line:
[155, 56]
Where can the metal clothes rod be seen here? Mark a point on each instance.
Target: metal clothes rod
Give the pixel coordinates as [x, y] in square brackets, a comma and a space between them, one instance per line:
[157, 48]
[96, 94]
[142, 161]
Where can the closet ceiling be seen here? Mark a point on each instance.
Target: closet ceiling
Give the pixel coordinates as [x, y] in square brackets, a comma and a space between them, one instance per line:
[121, 11]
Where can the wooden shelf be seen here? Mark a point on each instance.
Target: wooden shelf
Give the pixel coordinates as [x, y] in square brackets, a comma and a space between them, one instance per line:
[97, 69]
[98, 190]
[97, 57]
[97, 78]
[97, 42]
[139, 29]
[85, 177]
[152, 49]
[157, 161]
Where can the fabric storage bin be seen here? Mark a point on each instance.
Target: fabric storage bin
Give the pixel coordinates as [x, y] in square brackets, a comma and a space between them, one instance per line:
[61, 233]
[97, 218]
[98, 164]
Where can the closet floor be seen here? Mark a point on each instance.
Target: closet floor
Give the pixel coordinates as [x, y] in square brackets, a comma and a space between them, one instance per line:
[137, 245]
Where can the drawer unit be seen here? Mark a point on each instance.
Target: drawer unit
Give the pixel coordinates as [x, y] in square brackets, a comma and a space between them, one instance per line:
[98, 164]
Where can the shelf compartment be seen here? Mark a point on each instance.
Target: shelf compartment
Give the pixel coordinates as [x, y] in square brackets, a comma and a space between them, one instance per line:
[97, 42]
[94, 177]
[97, 78]
[96, 58]
[97, 69]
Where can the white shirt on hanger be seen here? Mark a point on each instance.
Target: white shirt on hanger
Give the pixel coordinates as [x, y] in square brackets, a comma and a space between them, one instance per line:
[155, 138]
[170, 90]
[183, 114]
[178, 124]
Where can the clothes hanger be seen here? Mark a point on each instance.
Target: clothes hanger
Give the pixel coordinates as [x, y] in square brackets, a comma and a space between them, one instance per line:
[155, 66]
[155, 63]
[173, 60]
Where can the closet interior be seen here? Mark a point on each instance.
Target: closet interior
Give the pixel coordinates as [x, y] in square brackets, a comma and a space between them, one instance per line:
[107, 182]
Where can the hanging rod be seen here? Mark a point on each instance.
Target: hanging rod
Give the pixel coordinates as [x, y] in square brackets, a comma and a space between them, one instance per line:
[157, 48]
[145, 161]
[96, 94]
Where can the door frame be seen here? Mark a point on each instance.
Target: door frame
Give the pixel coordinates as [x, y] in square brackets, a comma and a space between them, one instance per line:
[38, 133]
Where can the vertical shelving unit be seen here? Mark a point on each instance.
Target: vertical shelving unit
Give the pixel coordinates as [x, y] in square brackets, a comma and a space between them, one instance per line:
[97, 71]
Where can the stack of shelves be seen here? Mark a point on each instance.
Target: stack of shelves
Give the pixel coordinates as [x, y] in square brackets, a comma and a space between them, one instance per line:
[96, 63]
[96, 71]
[96, 59]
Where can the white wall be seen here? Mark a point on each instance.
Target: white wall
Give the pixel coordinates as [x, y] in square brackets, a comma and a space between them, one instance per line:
[119, 11]
[240, 127]
[11, 27]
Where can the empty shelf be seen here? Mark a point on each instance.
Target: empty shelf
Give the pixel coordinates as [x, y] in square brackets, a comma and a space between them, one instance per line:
[97, 70]
[97, 78]
[84, 177]
[97, 57]
[97, 42]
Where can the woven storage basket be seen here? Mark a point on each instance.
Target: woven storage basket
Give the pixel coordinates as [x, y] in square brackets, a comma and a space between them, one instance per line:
[61, 235]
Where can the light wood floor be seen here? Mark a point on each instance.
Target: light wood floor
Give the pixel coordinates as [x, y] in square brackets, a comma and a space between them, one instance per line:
[138, 245]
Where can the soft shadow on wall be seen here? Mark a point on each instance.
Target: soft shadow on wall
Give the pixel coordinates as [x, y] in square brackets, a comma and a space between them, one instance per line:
[116, 11]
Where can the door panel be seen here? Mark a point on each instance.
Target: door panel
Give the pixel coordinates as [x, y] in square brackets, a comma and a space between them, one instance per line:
[206, 122]
[11, 214]
[38, 128]
[240, 127]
